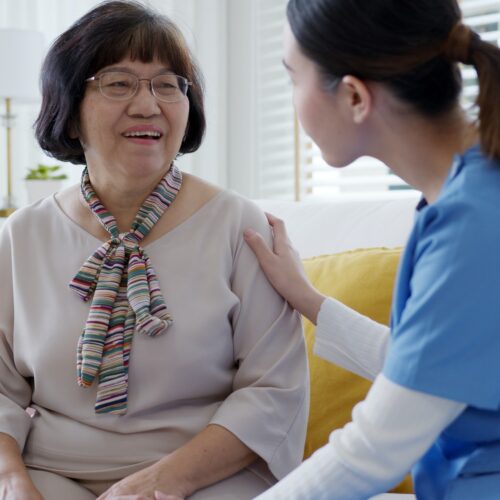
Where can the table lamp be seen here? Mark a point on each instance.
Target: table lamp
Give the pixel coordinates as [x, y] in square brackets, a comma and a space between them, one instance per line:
[21, 53]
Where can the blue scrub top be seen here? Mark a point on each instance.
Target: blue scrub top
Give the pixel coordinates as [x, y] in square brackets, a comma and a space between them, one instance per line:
[445, 324]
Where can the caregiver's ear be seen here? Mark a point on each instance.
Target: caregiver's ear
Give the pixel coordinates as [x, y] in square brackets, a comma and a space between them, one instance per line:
[358, 98]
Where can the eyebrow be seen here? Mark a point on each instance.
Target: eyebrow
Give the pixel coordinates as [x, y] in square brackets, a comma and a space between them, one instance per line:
[287, 66]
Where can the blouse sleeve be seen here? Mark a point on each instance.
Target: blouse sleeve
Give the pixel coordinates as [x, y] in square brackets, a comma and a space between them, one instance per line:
[268, 407]
[15, 391]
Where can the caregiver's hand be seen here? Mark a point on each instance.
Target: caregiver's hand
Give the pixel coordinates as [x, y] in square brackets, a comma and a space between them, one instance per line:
[149, 483]
[162, 496]
[283, 268]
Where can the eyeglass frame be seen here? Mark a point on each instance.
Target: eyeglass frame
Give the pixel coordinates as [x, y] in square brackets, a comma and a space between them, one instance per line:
[97, 78]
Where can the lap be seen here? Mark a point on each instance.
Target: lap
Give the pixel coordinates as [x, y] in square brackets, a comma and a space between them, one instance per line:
[244, 485]
[56, 487]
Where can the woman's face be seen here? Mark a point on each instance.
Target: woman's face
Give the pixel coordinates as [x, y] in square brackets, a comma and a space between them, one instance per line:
[109, 127]
[322, 113]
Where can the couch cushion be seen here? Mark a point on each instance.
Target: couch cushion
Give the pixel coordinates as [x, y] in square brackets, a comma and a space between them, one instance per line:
[362, 279]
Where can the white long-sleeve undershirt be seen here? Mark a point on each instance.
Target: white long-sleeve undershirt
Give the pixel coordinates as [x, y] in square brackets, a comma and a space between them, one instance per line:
[349, 339]
[390, 430]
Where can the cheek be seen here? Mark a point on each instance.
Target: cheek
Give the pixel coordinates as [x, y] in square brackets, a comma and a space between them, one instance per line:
[94, 122]
[178, 117]
[310, 113]
[322, 121]
[185, 117]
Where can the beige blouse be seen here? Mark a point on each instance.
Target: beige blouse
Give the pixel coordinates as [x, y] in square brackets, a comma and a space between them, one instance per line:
[234, 356]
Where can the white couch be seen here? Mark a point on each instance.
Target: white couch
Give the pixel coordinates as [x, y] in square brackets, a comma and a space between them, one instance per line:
[318, 228]
[325, 227]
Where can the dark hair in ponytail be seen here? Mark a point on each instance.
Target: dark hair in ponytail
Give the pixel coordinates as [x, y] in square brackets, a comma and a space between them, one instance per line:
[411, 46]
[485, 57]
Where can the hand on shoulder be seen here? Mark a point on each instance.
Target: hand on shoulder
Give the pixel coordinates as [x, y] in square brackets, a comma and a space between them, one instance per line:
[283, 268]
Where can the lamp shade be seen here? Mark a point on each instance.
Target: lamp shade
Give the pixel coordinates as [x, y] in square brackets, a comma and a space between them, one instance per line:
[21, 53]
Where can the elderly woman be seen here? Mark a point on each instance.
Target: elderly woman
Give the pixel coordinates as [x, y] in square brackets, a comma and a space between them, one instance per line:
[135, 325]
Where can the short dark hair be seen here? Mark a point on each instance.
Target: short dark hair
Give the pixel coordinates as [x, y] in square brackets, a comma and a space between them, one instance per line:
[102, 37]
[405, 44]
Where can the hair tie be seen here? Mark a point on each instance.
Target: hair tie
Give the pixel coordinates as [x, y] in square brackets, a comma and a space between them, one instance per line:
[461, 44]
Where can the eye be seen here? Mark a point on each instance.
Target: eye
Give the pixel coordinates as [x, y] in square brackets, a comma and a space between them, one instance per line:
[167, 85]
[117, 81]
[166, 82]
[125, 84]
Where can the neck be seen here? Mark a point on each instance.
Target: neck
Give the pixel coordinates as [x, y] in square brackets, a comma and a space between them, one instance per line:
[122, 197]
[421, 150]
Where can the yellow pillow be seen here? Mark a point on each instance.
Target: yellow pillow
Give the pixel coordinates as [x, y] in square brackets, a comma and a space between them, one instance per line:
[362, 279]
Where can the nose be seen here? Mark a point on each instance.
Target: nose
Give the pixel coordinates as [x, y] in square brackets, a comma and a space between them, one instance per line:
[144, 103]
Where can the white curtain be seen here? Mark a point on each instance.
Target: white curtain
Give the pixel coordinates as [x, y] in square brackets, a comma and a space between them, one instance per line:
[203, 23]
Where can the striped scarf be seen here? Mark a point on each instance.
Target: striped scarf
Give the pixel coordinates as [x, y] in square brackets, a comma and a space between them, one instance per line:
[125, 295]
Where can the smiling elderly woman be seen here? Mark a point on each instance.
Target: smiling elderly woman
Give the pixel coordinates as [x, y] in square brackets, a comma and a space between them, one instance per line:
[169, 363]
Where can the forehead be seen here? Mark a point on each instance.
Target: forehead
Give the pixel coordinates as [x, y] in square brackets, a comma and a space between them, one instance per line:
[292, 54]
[290, 46]
[138, 66]
[294, 58]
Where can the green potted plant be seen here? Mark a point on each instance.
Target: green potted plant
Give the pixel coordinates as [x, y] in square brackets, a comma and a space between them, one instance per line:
[43, 181]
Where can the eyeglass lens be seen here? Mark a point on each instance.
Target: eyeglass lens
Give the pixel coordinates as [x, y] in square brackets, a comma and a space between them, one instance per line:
[118, 85]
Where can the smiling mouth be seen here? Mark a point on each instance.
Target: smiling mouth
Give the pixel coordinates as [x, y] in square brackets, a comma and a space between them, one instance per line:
[150, 135]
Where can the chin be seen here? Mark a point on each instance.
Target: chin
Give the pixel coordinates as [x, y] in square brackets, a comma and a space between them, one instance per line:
[336, 161]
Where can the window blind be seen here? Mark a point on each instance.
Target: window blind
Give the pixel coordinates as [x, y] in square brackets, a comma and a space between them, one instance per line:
[275, 138]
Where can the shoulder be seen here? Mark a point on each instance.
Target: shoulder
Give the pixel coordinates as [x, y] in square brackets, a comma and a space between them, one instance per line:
[35, 216]
[467, 212]
[225, 204]
[477, 178]
[194, 186]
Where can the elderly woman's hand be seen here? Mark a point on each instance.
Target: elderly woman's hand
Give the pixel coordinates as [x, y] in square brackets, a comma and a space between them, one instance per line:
[18, 486]
[284, 270]
[150, 483]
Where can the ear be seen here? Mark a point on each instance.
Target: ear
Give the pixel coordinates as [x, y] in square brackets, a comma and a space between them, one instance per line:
[359, 98]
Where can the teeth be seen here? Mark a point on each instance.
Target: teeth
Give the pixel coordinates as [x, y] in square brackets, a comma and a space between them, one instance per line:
[148, 133]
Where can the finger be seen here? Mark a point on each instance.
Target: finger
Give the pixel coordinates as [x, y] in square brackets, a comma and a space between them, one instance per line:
[259, 247]
[281, 240]
[271, 218]
[163, 496]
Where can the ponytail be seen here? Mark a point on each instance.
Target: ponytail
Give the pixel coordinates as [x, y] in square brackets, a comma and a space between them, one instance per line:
[465, 45]
[486, 61]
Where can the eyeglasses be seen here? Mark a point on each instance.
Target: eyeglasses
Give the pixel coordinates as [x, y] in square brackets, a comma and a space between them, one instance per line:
[120, 86]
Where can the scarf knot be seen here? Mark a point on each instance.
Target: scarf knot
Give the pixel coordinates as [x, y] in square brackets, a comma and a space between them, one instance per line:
[129, 240]
[119, 280]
